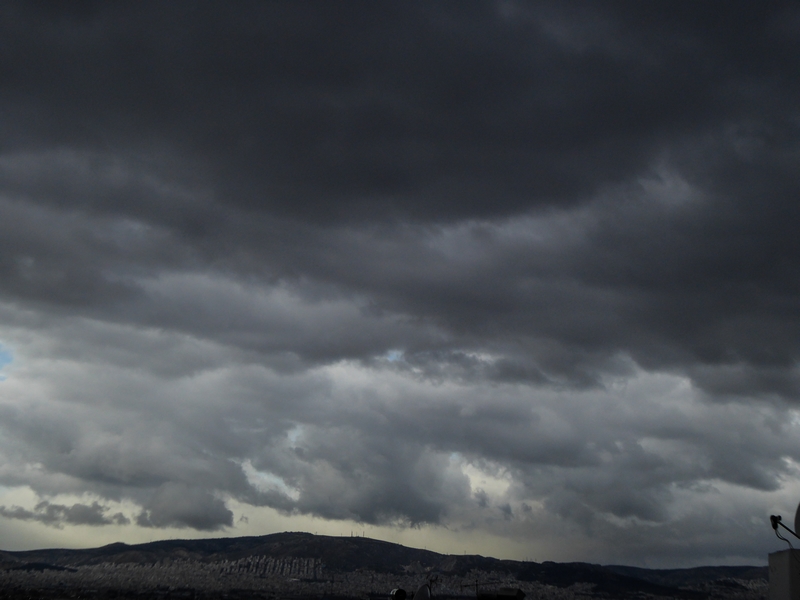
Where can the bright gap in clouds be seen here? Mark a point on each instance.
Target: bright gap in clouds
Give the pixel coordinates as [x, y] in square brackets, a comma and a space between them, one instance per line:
[266, 482]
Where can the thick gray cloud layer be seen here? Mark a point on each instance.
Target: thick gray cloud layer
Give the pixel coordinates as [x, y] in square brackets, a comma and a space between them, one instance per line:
[335, 259]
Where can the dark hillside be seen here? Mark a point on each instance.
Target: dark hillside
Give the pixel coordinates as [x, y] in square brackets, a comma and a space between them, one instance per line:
[695, 576]
[339, 553]
[605, 580]
[315, 566]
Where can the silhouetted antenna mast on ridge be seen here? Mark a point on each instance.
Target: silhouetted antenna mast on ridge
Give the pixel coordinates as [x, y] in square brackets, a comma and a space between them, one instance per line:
[775, 521]
[784, 566]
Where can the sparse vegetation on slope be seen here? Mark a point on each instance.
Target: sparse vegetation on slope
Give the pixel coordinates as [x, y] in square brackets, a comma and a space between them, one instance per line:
[304, 565]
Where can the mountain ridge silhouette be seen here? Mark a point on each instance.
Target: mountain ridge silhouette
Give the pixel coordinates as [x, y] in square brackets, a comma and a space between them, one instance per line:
[353, 554]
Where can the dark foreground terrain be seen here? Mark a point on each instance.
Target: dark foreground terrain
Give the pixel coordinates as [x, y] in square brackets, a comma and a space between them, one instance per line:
[301, 565]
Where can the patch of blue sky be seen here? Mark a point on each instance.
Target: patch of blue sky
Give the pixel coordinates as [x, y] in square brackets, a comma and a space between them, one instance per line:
[6, 357]
[394, 355]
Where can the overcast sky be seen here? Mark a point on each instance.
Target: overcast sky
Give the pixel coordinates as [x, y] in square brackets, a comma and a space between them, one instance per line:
[512, 278]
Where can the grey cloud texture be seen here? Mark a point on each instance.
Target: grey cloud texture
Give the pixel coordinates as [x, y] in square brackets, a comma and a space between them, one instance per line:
[180, 506]
[517, 267]
[58, 515]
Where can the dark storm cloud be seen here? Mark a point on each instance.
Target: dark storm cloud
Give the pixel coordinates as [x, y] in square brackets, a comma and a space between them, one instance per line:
[176, 505]
[330, 257]
[359, 111]
[198, 132]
